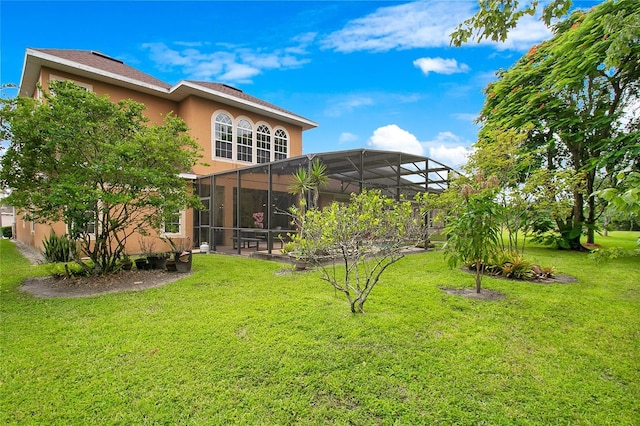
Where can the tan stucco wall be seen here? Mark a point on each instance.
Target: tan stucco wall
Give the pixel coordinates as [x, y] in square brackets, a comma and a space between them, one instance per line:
[198, 115]
[35, 235]
[156, 108]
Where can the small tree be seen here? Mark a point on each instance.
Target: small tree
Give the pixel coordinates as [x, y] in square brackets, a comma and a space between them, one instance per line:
[306, 179]
[473, 226]
[317, 179]
[498, 154]
[96, 165]
[353, 243]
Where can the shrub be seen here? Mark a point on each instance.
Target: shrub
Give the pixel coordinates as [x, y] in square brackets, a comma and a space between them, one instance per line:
[511, 264]
[7, 231]
[362, 237]
[517, 267]
[288, 247]
[59, 249]
[67, 270]
[606, 254]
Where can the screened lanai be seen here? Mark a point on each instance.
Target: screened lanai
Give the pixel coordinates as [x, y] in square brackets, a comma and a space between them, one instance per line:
[246, 208]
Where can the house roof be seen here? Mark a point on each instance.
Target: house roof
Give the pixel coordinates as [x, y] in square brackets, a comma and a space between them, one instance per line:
[98, 66]
[390, 171]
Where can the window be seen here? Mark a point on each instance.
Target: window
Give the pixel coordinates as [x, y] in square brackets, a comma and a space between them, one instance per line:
[245, 141]
[173, 223]
[89, 223]
[223, 136]
[263, 144]
[86, 226]
[280, 144]
[87, 87]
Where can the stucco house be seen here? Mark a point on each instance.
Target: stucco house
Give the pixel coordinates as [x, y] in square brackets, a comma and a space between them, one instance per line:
[233, 128]
[252, 147]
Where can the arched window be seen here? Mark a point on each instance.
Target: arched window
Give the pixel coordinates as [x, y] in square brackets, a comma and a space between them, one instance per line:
[280, 144]
[245, 141]
[223, 136]
[263, 144]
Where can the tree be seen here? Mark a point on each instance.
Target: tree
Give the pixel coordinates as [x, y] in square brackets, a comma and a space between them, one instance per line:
[306, 179]
[494, 19]
[624, 198]
[96, 165]
[310, 178]
[353, 243]
[473, 226]
[317, 179]
[572, 93]
[498, 154]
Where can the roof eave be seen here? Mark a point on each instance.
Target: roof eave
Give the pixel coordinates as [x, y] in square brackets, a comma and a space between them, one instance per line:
[35, 60]
[185, 88]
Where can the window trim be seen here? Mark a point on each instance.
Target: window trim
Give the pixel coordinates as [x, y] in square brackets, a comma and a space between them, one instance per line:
[252, 145]
[284, 151]
[286, 145]
[214, 139]
[260, 124]
[182, 214]
[53, 77]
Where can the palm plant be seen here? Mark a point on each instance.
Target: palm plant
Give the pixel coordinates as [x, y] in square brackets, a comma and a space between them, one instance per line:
[317, 178]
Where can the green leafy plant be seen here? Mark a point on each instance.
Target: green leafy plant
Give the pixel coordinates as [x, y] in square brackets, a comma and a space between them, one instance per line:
[352, 244]
[59, 248]
[548, 271]
[517, 267]
[67, 270]
[474, 226]
[607, 254]
[288, 247]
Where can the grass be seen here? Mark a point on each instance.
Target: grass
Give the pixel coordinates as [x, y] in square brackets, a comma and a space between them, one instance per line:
[237, 343]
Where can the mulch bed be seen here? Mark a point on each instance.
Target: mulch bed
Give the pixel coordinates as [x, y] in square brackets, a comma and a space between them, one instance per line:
[495, 295]
[134, 280]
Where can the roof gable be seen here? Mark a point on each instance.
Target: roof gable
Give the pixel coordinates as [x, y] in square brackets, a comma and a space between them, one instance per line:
[98, 66]
[100, 61]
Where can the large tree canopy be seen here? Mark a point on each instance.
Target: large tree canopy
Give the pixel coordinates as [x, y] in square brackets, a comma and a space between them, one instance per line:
[495, 18]
[98, 166]
[576, 95]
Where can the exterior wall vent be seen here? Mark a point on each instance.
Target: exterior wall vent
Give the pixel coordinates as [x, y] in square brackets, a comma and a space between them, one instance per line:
[102, 55]
[232, 88]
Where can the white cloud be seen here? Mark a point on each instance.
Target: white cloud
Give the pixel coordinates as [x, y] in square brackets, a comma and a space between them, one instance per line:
[347, 137]
[422, 24]
[446, 147]
[440, 66]
[228, 63]
[393, 138]
[449, 149]
[410, 25]
[302, 42]
[530, 31]
[347, 104]
[239, 72]
[455, 157]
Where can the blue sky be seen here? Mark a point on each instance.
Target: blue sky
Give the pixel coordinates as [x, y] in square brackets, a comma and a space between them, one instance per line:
[372, 74]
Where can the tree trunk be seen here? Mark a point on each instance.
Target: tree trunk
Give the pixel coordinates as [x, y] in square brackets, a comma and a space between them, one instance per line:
[577, 220]
[357, 309]
[591, 204]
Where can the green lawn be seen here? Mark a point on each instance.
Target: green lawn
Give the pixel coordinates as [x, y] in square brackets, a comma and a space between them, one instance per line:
[237, 343]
